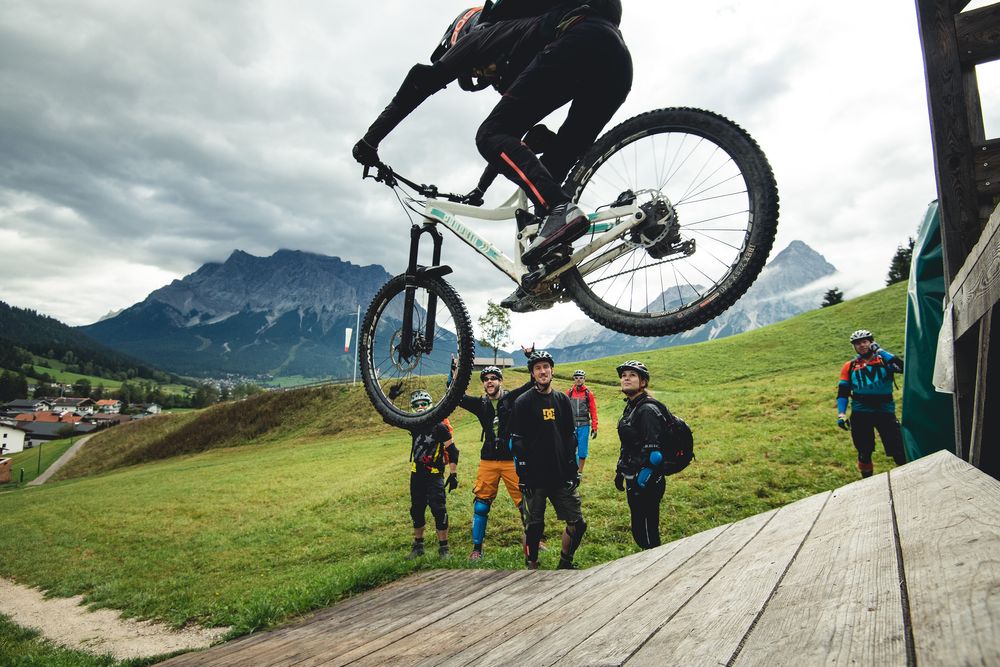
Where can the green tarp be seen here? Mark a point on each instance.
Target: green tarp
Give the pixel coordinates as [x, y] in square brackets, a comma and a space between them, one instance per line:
[928, 420]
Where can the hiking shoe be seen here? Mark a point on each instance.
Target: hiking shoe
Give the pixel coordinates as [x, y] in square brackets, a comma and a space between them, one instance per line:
[444, 552]
[476, 555]
[565, 224]
[417, 552]
[566, 565]
[531, 564]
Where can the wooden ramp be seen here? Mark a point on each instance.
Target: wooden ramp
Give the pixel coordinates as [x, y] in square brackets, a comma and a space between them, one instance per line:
[899, 569]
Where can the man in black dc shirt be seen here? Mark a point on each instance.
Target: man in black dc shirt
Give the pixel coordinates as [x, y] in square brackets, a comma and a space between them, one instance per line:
[544, 443]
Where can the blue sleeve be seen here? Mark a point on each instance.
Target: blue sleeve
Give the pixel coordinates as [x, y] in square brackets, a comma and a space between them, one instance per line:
[842, 405]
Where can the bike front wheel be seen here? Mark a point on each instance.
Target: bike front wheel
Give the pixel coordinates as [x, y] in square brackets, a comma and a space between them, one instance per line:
[711, 207]
[410, 334]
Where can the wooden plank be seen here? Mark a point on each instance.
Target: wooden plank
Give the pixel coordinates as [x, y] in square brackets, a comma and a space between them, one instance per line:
[287, 645]
[979, 415]
[550, 632]
[450, 599]
[950, 132]
[978, 34]
[839, 603]
[711, 626]
[368, 600]
[976, 286]
[948, 520]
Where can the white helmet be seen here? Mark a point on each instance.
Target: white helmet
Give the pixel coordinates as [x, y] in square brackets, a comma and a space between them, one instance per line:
[861, 334]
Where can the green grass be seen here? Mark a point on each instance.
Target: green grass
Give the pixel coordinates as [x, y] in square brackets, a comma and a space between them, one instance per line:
[33, 464]
[251, 513]
[20, 647]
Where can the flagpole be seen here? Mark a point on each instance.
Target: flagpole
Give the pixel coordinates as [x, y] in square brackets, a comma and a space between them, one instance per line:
[357, 337]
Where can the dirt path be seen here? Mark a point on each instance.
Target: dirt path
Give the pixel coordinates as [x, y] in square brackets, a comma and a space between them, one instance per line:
[65, 622]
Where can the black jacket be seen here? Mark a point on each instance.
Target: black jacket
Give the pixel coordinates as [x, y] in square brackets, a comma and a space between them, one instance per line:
[544, 438]
[495, 424]
[643, 428]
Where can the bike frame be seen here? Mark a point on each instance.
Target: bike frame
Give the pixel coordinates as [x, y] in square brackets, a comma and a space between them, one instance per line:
[607, 224]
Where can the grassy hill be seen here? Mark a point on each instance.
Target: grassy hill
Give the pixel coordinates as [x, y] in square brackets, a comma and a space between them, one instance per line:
[249, 513]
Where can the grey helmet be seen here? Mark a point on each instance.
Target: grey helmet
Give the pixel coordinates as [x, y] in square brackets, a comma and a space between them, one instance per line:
[861, 334]
[420, 396]
[633, 365]
[579, 374]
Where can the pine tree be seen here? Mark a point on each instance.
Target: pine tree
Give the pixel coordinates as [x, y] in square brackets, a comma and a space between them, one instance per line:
[832, 297]
[899, 268]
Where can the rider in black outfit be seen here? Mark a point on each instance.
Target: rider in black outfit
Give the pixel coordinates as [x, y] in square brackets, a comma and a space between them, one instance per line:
[642, 430]
[432, 450]
[571, 52]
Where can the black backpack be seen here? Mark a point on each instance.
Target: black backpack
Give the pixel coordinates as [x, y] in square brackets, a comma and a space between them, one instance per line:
[678, 446]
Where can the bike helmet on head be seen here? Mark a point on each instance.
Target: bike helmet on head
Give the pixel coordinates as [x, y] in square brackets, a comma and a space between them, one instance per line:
[459, 28]
[420, 396]
[633, 365]
[490, 370]
[861, 334]
[579, 374]
[540, 355]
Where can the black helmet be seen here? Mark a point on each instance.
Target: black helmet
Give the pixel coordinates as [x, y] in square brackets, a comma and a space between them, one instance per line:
[636, 366]
[490, 370]
[540, 355]
[460, 27]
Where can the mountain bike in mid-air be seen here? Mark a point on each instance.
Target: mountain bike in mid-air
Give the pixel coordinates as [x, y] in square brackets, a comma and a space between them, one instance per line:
[684, 213]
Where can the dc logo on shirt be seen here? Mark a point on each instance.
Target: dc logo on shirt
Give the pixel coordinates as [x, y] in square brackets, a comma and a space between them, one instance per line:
[549, 414]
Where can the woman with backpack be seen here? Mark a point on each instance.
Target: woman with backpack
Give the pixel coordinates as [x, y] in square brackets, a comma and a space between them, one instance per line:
[644, 429]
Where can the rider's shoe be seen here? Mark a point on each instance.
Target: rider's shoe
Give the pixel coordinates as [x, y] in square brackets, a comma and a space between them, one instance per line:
[531, 564]
[520, 301]
[565, 224]
[476, 554]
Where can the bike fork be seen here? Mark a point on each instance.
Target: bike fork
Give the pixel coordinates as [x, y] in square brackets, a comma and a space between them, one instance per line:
[409, 343]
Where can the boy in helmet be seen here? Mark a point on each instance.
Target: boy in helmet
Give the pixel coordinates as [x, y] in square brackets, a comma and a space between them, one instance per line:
[496, 462]
[643, 432]
[584, 415]
[544, 440]
[540, 59]
[868, 381]
[432, 449]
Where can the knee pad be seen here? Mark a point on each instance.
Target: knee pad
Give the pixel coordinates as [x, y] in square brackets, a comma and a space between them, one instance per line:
[576, 531]
[480, 515]
[441, 520]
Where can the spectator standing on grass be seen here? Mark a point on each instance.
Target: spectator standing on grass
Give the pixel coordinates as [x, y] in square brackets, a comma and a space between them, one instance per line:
[544, 441]
[584, 415]
[868, 380]
[643, 430]
[432, 450]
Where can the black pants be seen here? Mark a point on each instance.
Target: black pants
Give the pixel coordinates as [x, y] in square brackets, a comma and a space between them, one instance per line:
[428, 491]
[644, 505]
[589, 65]
[863, 427]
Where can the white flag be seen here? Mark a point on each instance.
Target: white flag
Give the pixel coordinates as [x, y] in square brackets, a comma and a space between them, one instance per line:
[347, 340]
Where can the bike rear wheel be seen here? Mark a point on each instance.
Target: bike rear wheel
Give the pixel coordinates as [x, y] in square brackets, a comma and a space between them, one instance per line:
[712, 206]
[391, 373]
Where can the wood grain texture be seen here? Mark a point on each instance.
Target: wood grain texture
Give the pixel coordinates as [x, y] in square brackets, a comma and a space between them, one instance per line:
[839, 603]
[948, 516]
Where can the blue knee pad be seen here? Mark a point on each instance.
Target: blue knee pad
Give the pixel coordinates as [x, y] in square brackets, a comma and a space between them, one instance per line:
[643, 477]
[480, 514]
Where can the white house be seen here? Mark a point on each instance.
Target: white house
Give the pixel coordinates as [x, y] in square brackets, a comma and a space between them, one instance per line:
[109, 406]
[11, 439]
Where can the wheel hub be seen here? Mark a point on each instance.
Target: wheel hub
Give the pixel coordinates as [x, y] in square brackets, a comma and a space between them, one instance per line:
[660, 234]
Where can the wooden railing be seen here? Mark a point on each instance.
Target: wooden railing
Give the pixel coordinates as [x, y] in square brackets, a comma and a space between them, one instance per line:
[967, 166]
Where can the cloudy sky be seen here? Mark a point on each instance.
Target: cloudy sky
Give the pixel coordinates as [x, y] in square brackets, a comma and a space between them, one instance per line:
[139, 139]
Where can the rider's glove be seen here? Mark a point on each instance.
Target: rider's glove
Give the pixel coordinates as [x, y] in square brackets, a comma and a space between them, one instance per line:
[452, 482]
[874, 348]
[620, 481]
[843, 422]
[366, 154]
[573, 482]
[474, 198]
[593, 433]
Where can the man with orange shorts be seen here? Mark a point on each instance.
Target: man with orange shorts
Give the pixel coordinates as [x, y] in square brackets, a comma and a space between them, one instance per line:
[496, 462]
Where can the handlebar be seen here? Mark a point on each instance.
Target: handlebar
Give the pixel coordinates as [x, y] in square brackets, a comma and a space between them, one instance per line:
[385, 174]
